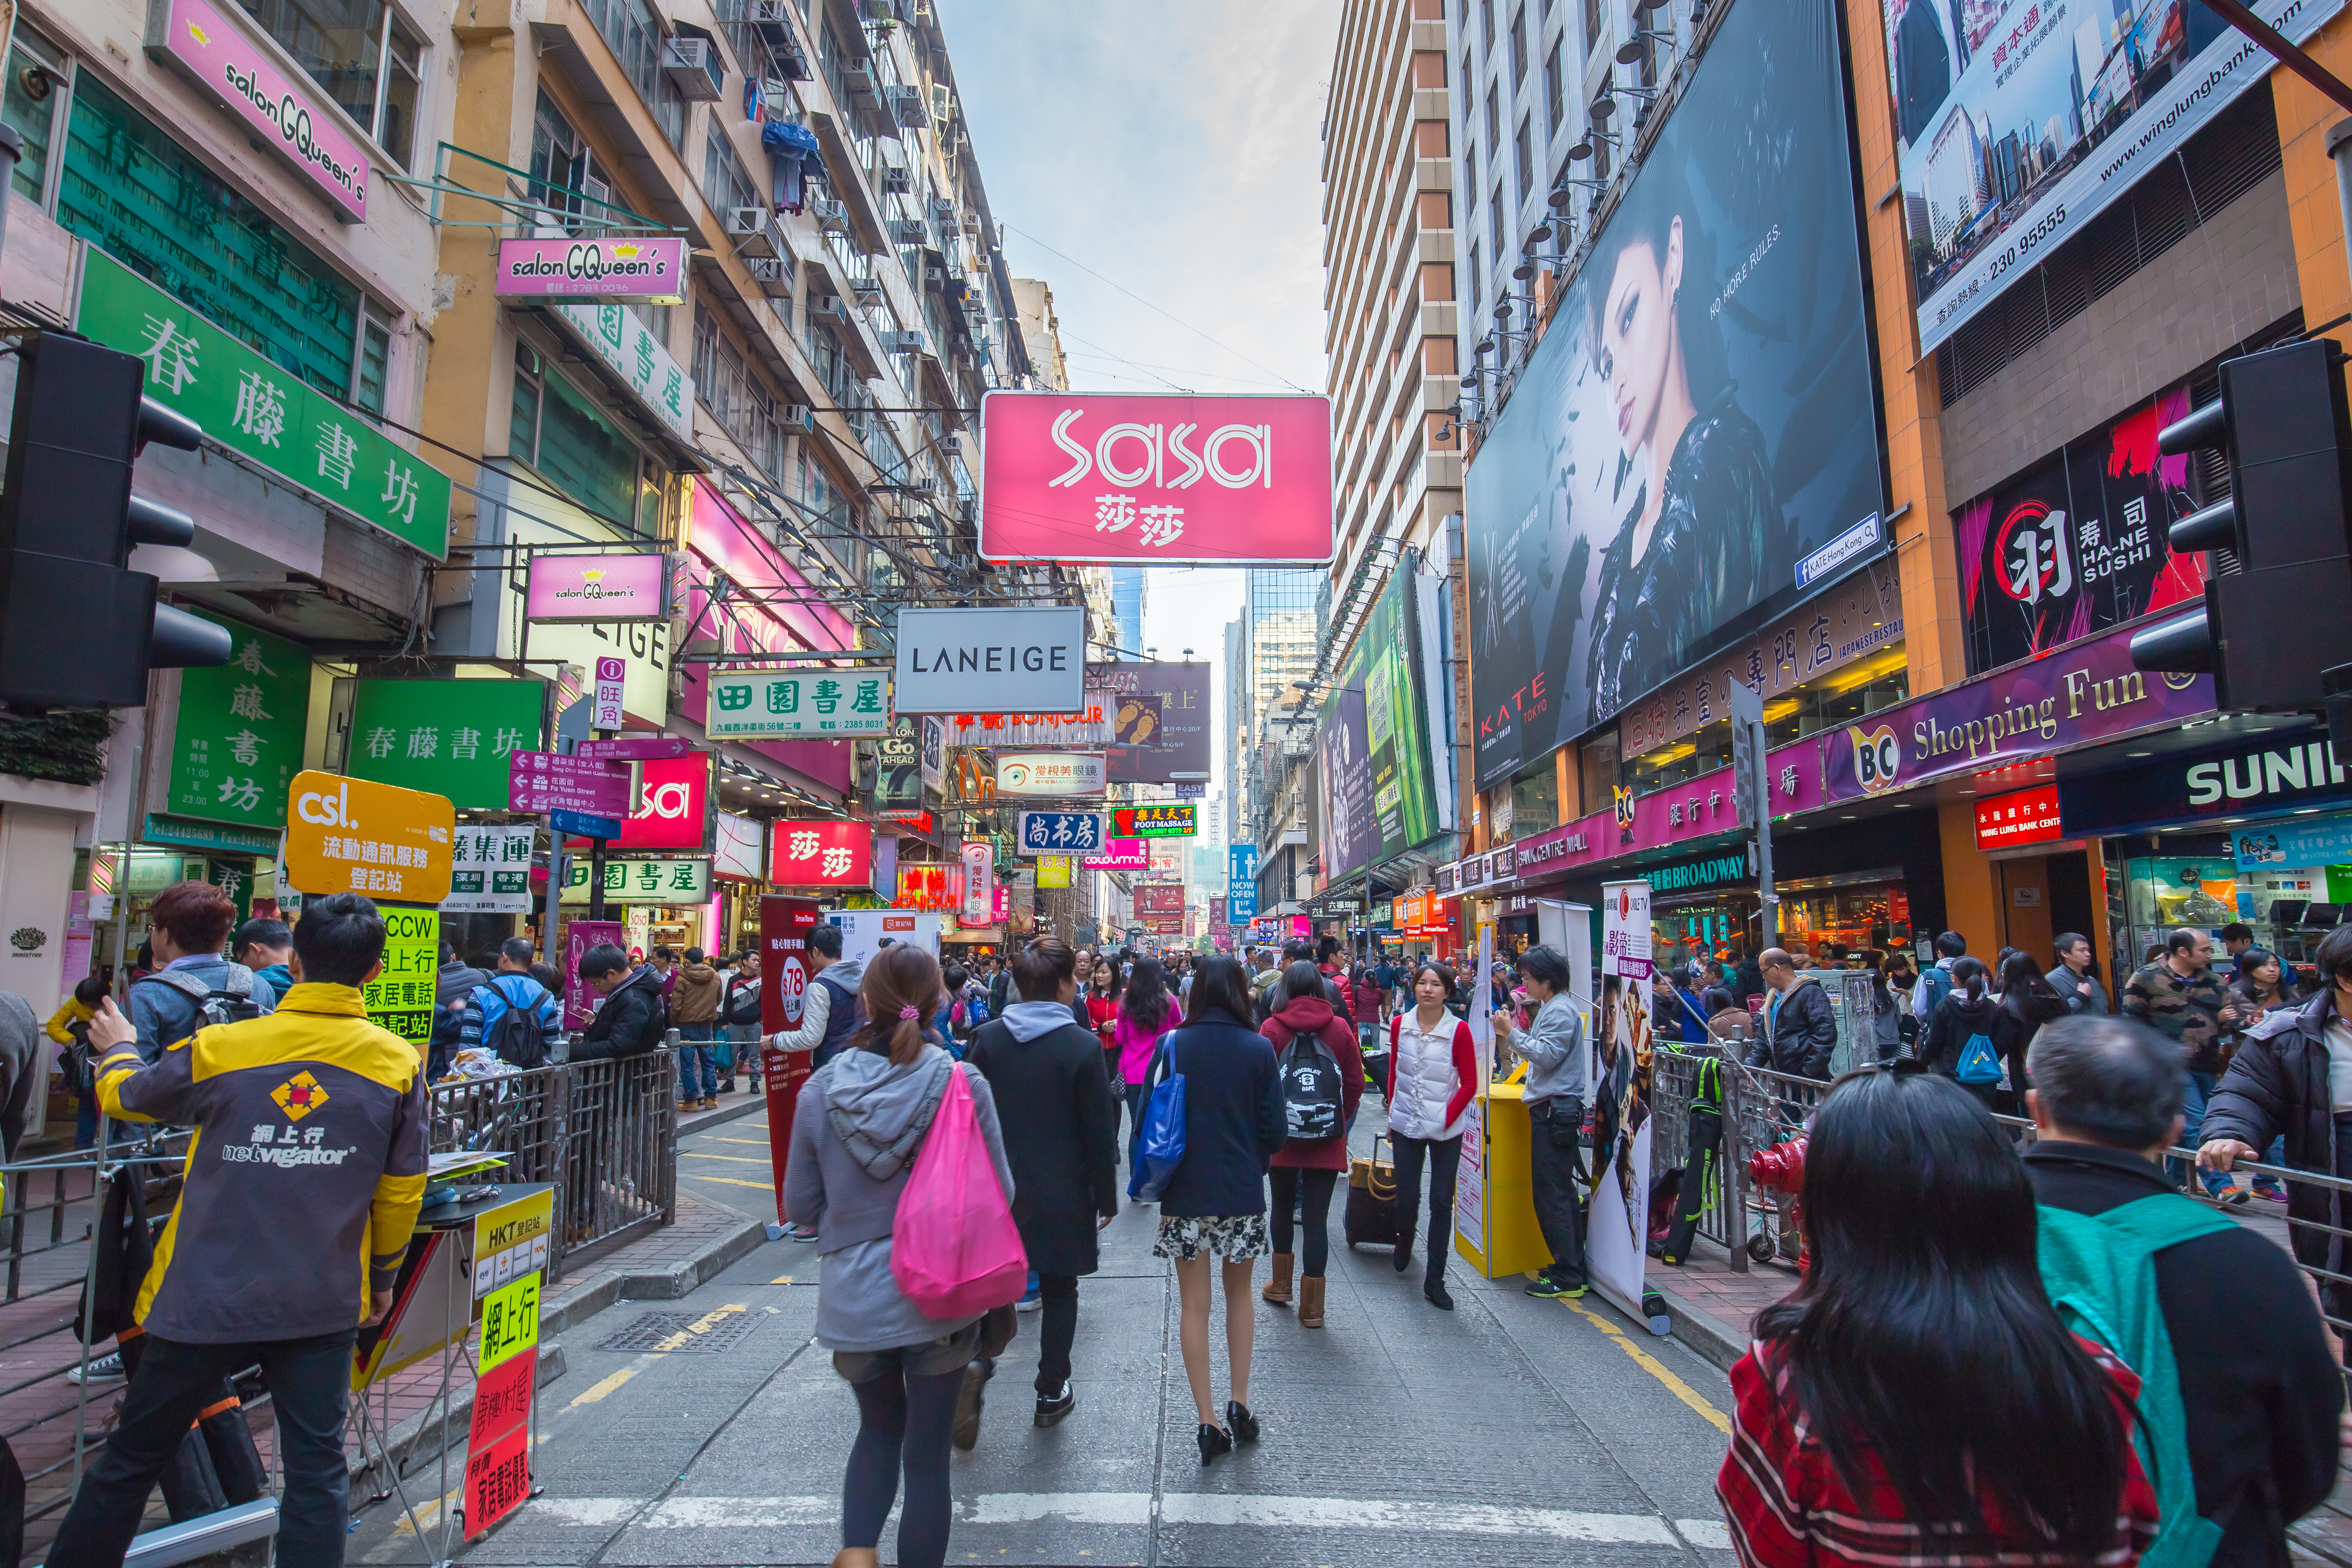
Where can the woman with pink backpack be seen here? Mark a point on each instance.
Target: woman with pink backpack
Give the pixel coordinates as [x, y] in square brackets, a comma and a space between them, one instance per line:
[892, 1146]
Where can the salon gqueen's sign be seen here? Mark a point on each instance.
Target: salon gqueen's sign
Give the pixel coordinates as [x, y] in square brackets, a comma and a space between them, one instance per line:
[651, 268]
[214, 52]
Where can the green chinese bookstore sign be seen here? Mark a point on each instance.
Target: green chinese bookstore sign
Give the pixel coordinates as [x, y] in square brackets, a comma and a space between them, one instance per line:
[455, 738]
[236, 739]
[263, 412]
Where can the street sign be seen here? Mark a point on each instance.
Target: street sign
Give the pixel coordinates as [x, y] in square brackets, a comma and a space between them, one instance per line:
[581, 825]
[1059, 832]
[1155, 821]
[611, 674]
[544, 781]
[354, 835]
[1191, 792]
[636, 747]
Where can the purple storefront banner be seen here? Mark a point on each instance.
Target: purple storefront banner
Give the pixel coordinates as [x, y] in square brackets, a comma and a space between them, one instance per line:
[597, 588]
[633, 267]
[2088, 691]
[226, 63]
[1698, 809]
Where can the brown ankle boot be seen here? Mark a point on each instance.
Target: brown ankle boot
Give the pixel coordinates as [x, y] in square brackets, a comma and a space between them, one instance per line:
[1278, 1283]
[1310, 1301]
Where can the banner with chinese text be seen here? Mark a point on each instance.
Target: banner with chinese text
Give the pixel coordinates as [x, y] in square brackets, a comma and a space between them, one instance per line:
[765, 704]
[455, 738]
[237, 740]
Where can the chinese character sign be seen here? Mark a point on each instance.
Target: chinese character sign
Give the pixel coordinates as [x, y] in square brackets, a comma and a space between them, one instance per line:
[491, 871]
[238, 741]
[764, 704]
[455, 738]
[401, 999]
[820, 854]
[353, 836]
[978, 882]
[264, 413]
[664, 881]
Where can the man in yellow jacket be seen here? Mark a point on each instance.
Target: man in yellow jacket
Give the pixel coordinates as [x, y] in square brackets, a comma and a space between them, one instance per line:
[302, 1185]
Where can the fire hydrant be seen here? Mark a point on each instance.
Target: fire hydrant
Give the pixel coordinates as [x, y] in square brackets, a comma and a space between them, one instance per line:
[1780, 1170]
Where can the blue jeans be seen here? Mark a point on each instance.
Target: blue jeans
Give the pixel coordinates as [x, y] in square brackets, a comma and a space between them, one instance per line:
[2194, 1094]
[694, 1057]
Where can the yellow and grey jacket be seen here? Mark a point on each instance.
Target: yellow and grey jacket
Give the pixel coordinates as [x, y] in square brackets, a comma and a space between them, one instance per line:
[304, 1177]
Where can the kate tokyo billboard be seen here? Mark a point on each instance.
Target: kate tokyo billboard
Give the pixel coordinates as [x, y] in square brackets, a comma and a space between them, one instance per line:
[1069, 476]
[1692, 448]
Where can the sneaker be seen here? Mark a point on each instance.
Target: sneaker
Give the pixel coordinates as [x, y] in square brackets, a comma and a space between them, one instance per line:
[2233, 1197]
[1051, 1408]
[800, 1233]
[101, 1367]
[1545, 1286]
[2275, 1194]
[1030, 1302]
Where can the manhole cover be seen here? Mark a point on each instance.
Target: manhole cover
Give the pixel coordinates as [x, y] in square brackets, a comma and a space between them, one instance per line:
[684, 1331]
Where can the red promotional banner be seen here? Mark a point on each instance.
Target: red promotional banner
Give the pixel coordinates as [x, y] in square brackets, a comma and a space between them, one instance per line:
[785, 965]
[501, 1402]
[1096, 476]
[1160, 898]
[498, 1477]
[2028, 816]
[821, 853]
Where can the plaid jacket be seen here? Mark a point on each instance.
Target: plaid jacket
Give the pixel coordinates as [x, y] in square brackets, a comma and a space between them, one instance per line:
[2186, 1011]
[1787, 1507]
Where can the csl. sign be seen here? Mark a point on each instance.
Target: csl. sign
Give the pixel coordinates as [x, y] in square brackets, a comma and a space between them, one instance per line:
[353, 836]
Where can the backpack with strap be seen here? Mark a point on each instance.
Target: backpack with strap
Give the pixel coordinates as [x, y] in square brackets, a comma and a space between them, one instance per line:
[2100, 1271]
[516, 1036]
[1978, 1062]
[742, 1000]
[1939, 982]
[1311, 1087]
[232, 1003]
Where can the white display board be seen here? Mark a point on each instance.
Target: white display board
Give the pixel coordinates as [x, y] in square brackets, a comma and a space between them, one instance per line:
[1470, 1180]
[862, 930]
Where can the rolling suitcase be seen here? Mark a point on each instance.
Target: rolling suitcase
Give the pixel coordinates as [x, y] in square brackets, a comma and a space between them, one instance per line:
[1370, 1217]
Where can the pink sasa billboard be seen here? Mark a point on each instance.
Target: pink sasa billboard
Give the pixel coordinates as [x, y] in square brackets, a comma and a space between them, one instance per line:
[1172, 479]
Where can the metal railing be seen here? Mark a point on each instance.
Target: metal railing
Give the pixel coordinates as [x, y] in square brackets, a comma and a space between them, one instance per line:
[605, 1134]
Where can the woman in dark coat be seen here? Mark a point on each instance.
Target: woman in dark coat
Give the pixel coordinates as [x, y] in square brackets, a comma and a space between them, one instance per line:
[1061, 1136]
[1310, 1166]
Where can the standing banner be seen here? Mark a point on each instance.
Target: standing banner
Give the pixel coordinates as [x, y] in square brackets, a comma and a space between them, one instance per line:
[580, 1003]
[1470, 1182]
[1625, 930]
[1616, 1236]
[784, 927]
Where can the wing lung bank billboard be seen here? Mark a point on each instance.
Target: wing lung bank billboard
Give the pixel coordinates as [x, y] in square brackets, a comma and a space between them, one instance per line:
[2077, 543]
[2019, 123]
[1692, 447]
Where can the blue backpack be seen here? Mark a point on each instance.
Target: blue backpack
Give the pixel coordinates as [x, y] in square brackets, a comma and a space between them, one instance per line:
[1977, 1064]
[1158, 1146]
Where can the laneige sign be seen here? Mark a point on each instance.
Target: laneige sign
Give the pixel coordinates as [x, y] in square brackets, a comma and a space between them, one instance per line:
[992, 661]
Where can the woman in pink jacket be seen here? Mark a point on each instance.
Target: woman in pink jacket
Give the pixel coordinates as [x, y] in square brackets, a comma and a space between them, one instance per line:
[1146, 1011]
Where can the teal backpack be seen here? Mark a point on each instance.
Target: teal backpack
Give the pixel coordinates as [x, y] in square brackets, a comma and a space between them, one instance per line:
[1977, 1064]
[2100, 1271]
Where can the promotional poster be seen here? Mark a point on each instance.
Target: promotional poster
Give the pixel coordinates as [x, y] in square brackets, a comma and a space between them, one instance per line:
[1692, 449]
[1378, 777]
[2077, 543]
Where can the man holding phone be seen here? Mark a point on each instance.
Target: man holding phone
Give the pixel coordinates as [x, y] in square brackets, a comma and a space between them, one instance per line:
[2181, 998]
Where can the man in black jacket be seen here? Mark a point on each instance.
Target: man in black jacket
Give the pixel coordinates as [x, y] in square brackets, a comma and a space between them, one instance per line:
[2264, 1402]
[633, 1017]
[1061, 1137]
[1799, 1029]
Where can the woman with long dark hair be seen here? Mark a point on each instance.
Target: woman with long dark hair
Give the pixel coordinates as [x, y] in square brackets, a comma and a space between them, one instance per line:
[1307, 1171]
[2028, 1001]
[1917, 1399]
[861, 1120]
[1146, 1011]
[1967, 1013]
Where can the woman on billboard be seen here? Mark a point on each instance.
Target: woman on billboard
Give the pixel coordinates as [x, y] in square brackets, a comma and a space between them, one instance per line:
[1694, 546]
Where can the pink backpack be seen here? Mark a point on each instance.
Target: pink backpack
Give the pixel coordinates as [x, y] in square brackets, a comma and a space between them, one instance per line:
[954, 1249]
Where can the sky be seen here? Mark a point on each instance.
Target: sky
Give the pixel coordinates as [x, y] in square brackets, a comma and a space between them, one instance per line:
[1161, 166]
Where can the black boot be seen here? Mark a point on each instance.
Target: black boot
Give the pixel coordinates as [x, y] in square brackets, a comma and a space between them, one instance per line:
[1400, 1258]
[1433, 1286]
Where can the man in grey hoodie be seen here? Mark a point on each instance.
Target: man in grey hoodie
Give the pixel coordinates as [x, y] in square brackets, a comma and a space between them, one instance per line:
[1559, 1084]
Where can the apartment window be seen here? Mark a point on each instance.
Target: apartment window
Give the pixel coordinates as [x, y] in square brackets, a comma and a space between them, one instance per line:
[362, 54]
[41, 76]
[1486, 23]
[725, 183]
[568, 439]
[1526, 165]
[1518, 48]
[1494, 220]
[726, 387]
[1555, 85]
[1469, 164]
[1591, 25]
[371, 369]
[1600, 163]
[1494, 120]
[566, 178]
[628, 26]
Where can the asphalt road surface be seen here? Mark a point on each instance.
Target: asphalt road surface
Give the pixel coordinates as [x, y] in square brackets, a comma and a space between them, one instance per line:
[1512, 1430]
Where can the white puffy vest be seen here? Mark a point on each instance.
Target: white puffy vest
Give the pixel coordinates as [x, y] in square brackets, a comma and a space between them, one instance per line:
[1425, 1079]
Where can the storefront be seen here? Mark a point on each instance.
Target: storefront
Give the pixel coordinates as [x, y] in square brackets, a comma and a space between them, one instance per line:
[2258, 830]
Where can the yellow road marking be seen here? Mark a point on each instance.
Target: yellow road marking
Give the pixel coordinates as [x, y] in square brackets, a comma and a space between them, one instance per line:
[1650, 1365]
[597, 1391]
[701, 1325]
[757, 1186]
[747, 1143]
[782, 1279]
[736, 1159]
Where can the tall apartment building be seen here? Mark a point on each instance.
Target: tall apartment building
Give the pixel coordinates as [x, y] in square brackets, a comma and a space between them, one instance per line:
[1128, 586]
[1040, 329]
[1278, 639]
[1388, 294]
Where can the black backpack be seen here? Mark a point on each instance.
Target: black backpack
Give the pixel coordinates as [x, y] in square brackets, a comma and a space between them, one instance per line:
[517, 1037]
[231, 1004]
[1311, 1098]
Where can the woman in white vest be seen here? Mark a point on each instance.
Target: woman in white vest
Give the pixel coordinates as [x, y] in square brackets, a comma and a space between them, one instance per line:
[1433, 1073]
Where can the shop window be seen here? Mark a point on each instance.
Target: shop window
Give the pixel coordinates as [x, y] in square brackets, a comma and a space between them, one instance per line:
[1535, 800]
[1870, 912]
[131, 190]
[558, 431]
[1880, 681]
[40, 77]
[362, 54]
[1596, 762]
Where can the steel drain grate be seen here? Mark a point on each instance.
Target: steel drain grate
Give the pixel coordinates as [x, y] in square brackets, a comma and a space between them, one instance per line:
[684, 1331]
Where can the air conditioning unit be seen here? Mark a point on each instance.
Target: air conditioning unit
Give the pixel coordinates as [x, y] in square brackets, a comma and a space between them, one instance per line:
[693, 66]
[832, 307]
[773, 274]
[902, 342]
[776, 97]
[772, 20]
[864, 94]
[798, 416]
[897, 181]
[752, 230]
[943, 208]
[908, 110]
[830, 214]
[908, 231]
[867, 290]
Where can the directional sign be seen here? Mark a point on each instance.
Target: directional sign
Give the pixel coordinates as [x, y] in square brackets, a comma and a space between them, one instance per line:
[1060, 832]
[544, 781]
[583, 826]
[638, 748]
[1155, 822]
